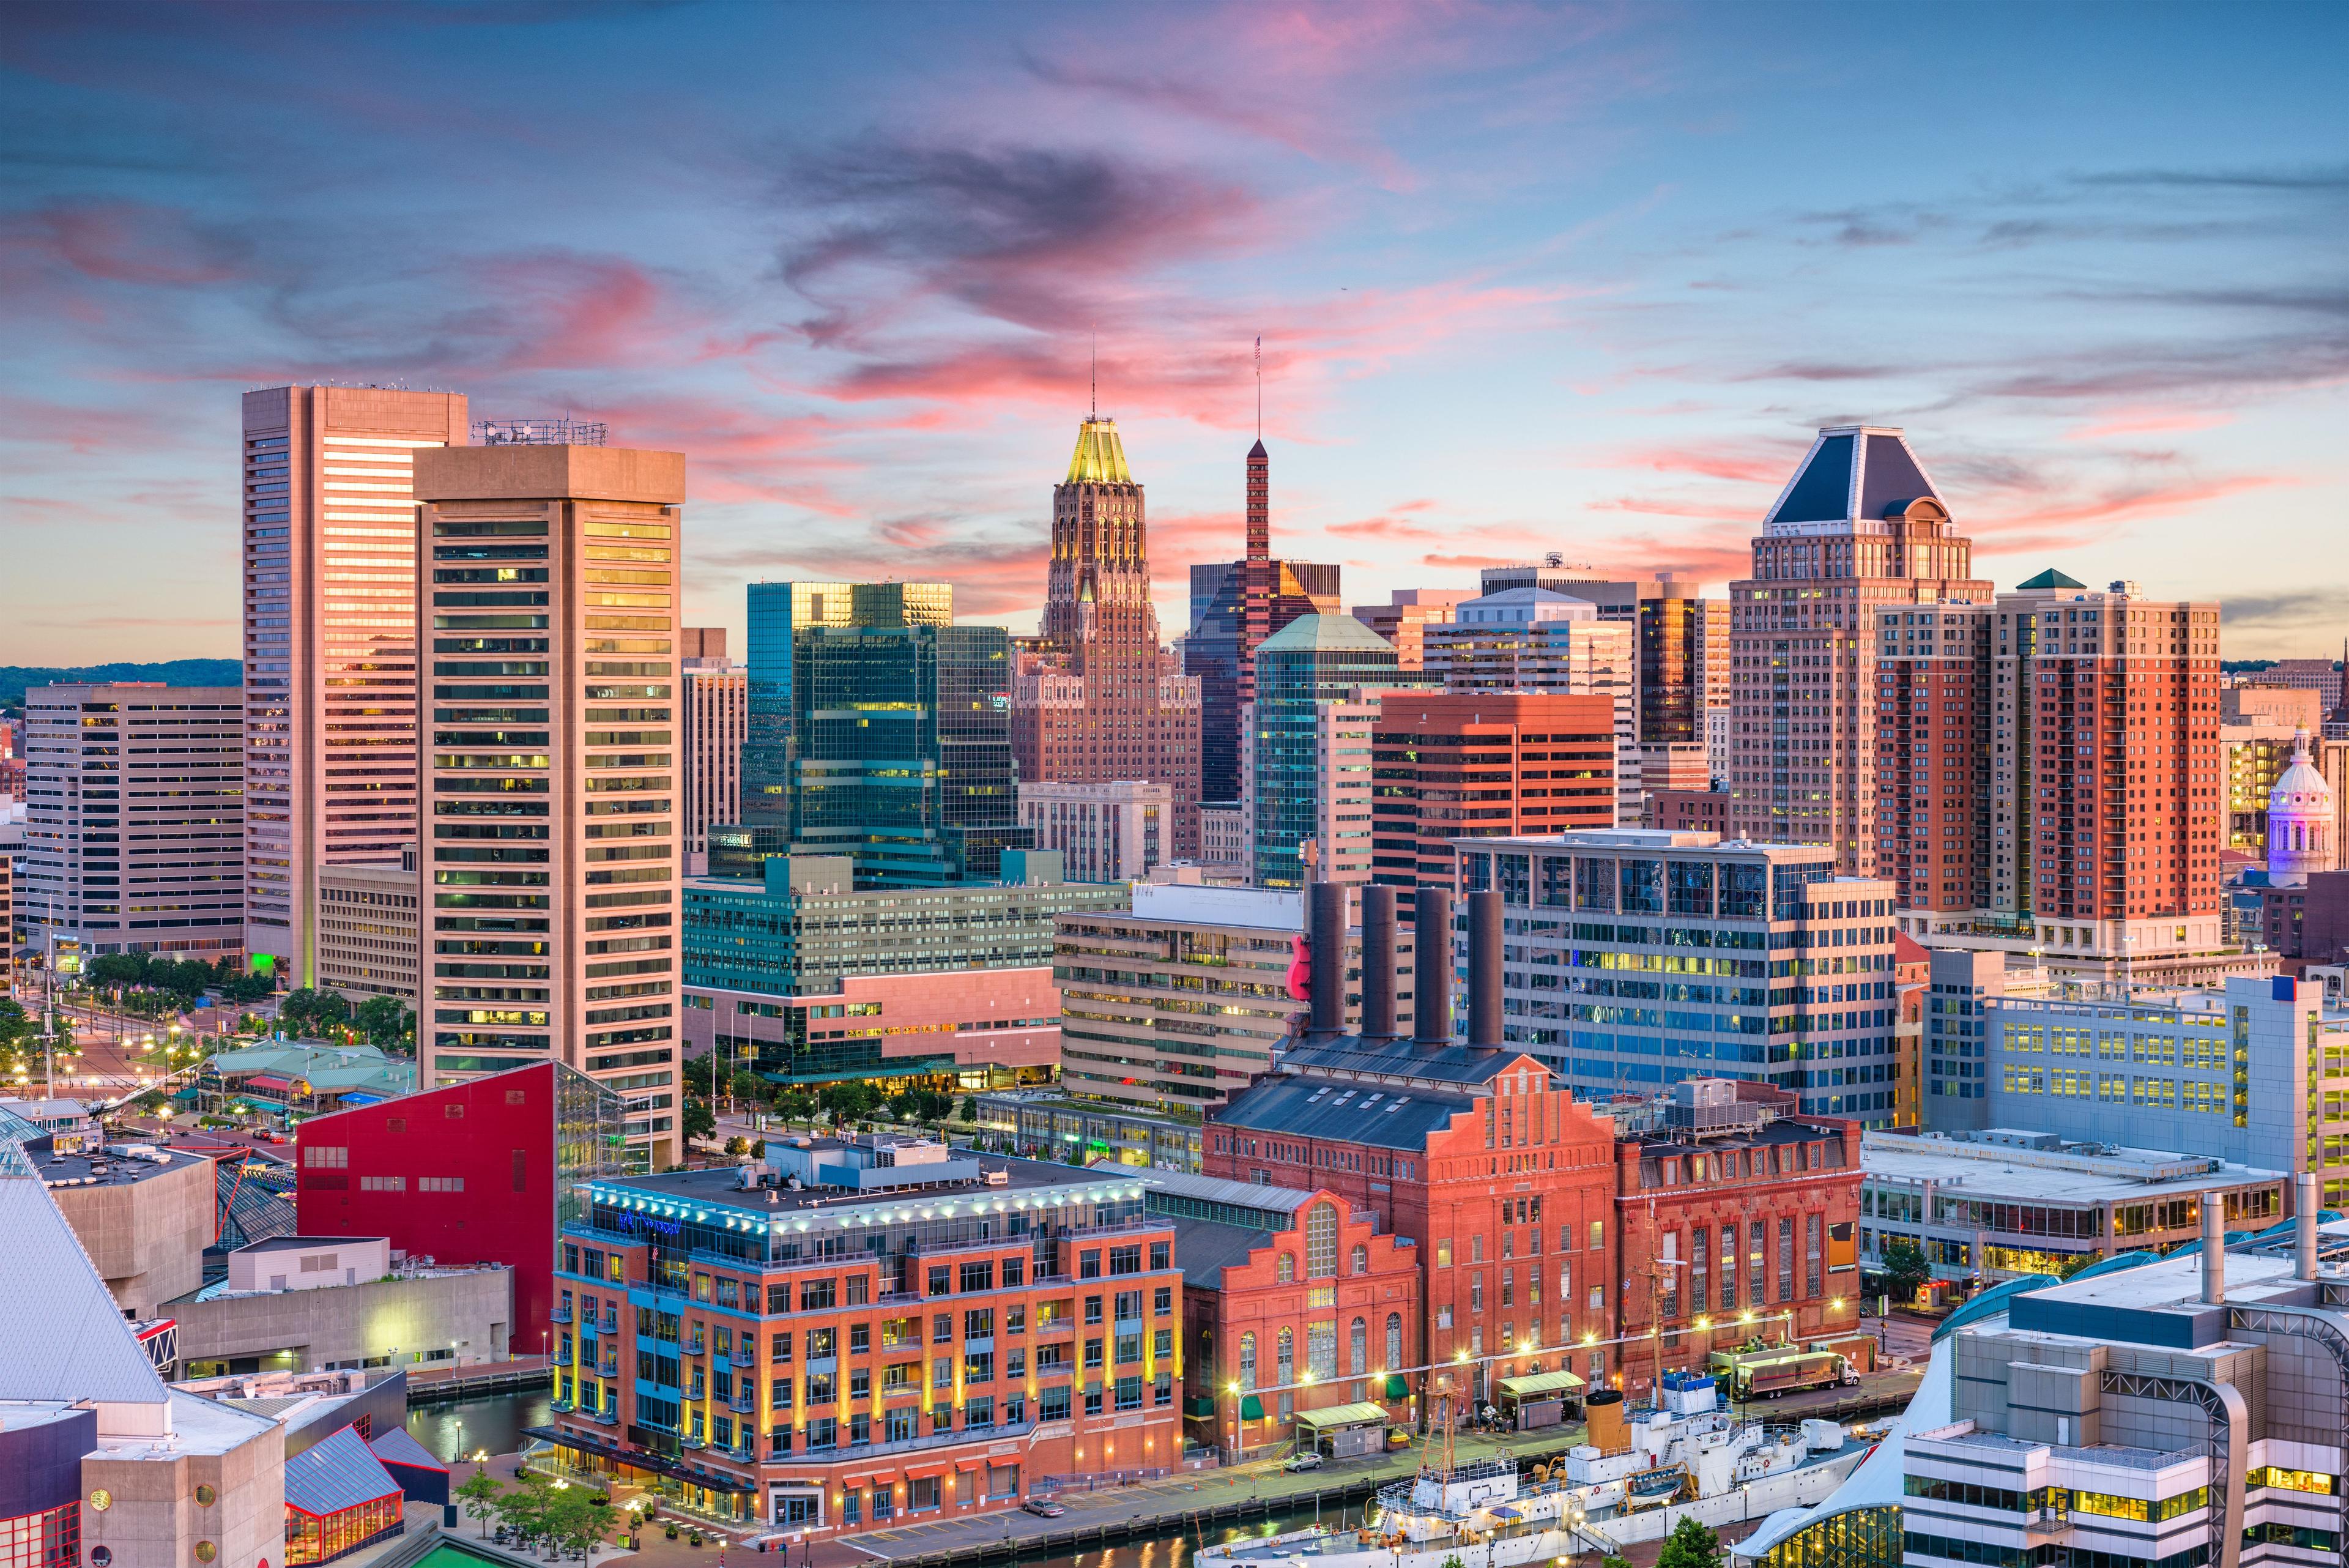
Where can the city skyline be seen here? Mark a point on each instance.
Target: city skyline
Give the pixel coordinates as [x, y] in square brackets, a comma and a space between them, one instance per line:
[1583, 282]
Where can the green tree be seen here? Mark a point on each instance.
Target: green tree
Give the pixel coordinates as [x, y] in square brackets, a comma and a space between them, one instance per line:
[1612, 1561]
[18, 1026]
[748, 1088]
[524, 1509]
[386, 1021]
[1689, 1545]
[481, 1491]
[1906, 1269]
[969, 1110]
[700, 1121]
[577, 1524]
[738, 1145]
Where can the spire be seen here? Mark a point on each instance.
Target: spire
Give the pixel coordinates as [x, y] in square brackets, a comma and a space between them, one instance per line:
[1099, 457]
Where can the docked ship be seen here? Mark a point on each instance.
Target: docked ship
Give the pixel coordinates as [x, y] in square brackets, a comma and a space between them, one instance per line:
[1687, 1450]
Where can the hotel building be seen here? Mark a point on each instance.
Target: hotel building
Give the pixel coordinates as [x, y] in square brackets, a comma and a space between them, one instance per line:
[866, 1333]
[330, 656]
[715, 713]
[550, 797]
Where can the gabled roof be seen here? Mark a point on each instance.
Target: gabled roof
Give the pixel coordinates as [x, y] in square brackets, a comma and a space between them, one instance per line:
[1470, 1066]
[1852, 473]
[1320, 1107]
[394, 1447]
[66, 1337]
[340, 1472]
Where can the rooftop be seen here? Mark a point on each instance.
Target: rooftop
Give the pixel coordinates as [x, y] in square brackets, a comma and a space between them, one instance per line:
[1204, 1248]
[1994, 1171]
[107, 1168]
[1853, 474]
[1353, 1113]
[1026, 1184]
[1324, 633]
[1197, 904]
[1239, 1194]
[291, 1243]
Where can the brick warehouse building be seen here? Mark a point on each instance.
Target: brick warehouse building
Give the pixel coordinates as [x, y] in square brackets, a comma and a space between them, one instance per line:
[1736, 1217]
[1503, 1183]
[1295, 1302]
[865, 1332]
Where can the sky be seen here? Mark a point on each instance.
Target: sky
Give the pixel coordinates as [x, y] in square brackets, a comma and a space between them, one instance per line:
[1528, 278]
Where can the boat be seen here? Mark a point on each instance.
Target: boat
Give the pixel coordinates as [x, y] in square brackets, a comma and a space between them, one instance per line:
[1688, 1448]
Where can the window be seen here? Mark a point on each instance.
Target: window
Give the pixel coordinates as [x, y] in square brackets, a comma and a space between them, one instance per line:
[1161, 1300]
[978, 1323]
[1125, 1260]
[1812, 1226]
[1321, 1242]
[1284, 1370]
[1247, 1361]
[978, 1276]
[941, 1280]
[1089, 1264]
[1362, 1259]
[1786, 1260]
[816, 1296]
[1394, 1340]
[780, 1348]
[941, 1328]
[1286, 1268]
[1358, 1348]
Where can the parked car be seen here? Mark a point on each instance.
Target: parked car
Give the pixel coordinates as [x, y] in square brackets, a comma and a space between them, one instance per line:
[1307, 1461]
[1042, 1508]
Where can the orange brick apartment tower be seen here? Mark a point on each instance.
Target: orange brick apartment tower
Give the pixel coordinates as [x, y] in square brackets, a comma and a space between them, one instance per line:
[329, 644]
[1096, 700]
[1859, 528]
[551, 783]
[1480, 765]
[1505, 1184]
[872, 1332]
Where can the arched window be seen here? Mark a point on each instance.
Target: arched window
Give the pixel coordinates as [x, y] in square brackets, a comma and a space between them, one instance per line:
[1321, 1242]
[1358, 1349]
[1394, 1341]
[1284, 1368]
[1285, 1270]
[1362, 1259]
[1247, 1361]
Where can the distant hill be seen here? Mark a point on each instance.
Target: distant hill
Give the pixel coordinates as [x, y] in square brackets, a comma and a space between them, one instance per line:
[14, 679]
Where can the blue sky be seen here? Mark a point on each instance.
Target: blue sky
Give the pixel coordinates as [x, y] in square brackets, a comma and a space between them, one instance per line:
[1528, 278]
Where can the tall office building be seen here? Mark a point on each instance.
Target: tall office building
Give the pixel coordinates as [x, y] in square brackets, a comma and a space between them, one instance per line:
[1404, 618]
[1317, 683]
[779, 614]
[134, 829]
[1235, 606]
[1535, 639]
[717, 715]
[2050, 773]
[551, 785]
[1857, 530]
[1097, 701]
[330, 656]
[1448, 766]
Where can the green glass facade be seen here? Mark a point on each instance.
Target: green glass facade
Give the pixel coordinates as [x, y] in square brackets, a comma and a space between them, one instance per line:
[1314, 663]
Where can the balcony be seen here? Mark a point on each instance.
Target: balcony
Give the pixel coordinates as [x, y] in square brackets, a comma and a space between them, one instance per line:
[694, 1441]
[604, 1418]
[611, 1323]
[863, 1451]
[694, 1346]
[563, 1354]
[560, 1315]
[745, 1402]
[561, 1406]
[609, 1369]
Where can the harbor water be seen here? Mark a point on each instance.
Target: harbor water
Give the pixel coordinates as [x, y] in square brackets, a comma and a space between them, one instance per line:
[488, 1423]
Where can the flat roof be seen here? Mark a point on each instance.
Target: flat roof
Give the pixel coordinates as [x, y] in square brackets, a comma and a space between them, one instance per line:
[1986, 1175]
[1217, 1190]
[1197, 904]
[293, 1243]
[1029, 1184]
[71, 1170]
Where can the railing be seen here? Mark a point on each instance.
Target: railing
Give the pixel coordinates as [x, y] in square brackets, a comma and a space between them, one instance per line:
[563, 1354]
[604, 1418]
[609, 1369]
[560, 1315]
[693, 1345]
[745, 1402]
[694, 1440]
[906, 1445]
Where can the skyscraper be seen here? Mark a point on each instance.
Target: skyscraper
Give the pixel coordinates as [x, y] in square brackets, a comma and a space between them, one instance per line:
[1535, 639]
[2051, 775]
[1097, 701]
[551, 784]
[1484, 764]
[1316, 707]
[715, 712]
[1859, 529]
[330, 643]
[134, 831]
[1235, 606]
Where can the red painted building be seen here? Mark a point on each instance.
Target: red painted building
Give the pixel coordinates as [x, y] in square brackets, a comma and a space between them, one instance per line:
[1737, 1217]
[474, 1172]
[1294, 1301]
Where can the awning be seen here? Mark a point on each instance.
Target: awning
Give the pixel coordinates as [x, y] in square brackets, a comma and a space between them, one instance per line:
[1540, 1385]
[639, 1459]
[356, 1099]
[1199, 1404]
[1398, 1388]
[265, 1081]
[1251, 1409]
[1360, 1414]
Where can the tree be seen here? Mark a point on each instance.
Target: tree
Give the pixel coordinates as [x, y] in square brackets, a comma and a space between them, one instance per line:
[1689, 1545]
[577, 1524]
[1612, 1561]
[386, 1021]
[17, 1027]
[524, 1509]
[699, 1120]
[738, 1145]
[969, 1110]
[1906, 1269]
[481, 1491]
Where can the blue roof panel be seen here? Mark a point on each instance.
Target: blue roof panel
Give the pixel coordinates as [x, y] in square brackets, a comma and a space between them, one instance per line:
[339, 1473]
[1822, 493]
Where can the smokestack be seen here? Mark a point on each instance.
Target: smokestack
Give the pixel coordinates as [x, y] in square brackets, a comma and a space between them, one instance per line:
[2304, 1223]
[2214, 1249]
[1378, 963]
[1484, 969]
[1328, 930]
[1431, 966]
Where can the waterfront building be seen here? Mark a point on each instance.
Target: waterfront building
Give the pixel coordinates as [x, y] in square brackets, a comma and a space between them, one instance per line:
[1531, 640]
[1404, 618]
[292, 1303]
[1319, 681]
[715, 713]
[134, 823]
[1182, 1001]
[1449, 765]
[1651, 956]
[1095, 699]
[552, 790]
[1102, 832]
[2050, 777]
[104, 1462]
[805, 979]
[1500, 1180]
[330, 642]
[1736, 1217]
[369, 928]
[287, 1080]
[1299, 1316]
[1235, 606]
[1993, 1205]
[1859, 529]
[2257, 1075]
[478, 1171]
[988, 1323]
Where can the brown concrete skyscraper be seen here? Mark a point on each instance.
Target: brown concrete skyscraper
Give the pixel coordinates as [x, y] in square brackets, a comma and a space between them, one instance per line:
[330, 643]
[550, 787]
[1096, 700]
[1857, 530]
